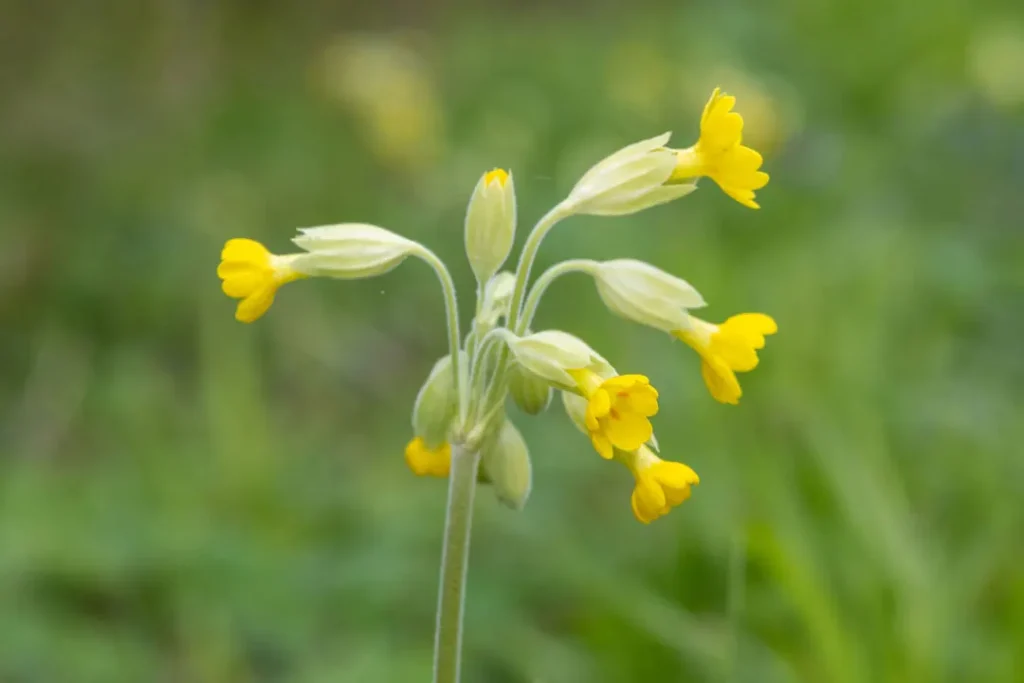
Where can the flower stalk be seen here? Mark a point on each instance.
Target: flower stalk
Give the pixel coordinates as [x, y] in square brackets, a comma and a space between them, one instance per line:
[454, 564]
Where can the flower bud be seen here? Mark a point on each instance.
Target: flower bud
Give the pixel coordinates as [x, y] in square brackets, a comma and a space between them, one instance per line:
[351, 250]
[507, 463]
[531, 393]
[642, 293]
[551, 354]
[436, 404]
[629, 180]
[490, 223]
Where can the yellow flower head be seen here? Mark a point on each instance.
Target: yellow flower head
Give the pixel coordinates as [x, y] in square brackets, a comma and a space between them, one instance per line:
[253, 274]
[727, 349]
[618, 410]
[427, 462]
[660, 484]
[498, 175]
[719, 154]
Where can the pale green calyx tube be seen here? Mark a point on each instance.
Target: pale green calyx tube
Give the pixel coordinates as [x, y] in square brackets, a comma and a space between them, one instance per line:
[531, 393]
[490, 223]
[507, 463]
[436, 404]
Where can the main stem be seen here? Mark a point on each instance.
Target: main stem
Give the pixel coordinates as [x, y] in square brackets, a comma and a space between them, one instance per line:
[454, 561]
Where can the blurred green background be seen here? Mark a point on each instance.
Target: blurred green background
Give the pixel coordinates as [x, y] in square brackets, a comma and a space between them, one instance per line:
[187, 499]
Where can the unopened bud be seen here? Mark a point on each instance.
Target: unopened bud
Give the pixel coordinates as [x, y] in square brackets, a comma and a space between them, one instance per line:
[507, 463]
[531, 393]
[490, 223]
[436, 405]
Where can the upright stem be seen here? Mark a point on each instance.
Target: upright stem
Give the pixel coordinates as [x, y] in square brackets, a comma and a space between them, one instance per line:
[454, 561]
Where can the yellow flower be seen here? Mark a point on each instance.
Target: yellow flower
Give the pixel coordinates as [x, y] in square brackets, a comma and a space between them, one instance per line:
[498, 175]
[424, 461]
[253, 274]
[660, 484]
[719, 154]
[727, 349]
[618, 409]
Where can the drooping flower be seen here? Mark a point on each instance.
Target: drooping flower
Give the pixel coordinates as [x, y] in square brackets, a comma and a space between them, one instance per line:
[427, 462]
[727, 349]
[253, 274]
[618, 410]
[720, 155]
[660, 484]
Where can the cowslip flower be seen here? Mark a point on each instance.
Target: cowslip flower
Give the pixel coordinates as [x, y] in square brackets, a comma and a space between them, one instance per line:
[428, 462]
[252, 274]
[660, 484]
[618, 410]
[727, 349]
[719, 154]
[461, 429]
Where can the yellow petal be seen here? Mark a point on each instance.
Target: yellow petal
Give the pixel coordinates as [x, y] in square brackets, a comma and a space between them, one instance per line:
[648, 499]
[244, 249]
[256, 304]
[675, 479]
[628, 431]
[241, 284]
[641, 513]
[735, 350]
[757, 323]
[602, 445]
[643, 400]
[600, 403]
[721, 381]
[623, 382]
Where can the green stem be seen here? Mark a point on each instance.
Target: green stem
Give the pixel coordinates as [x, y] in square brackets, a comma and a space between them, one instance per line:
[451, 307]
[537, 235]
[542, 284]
[526, 259]
[454, 561]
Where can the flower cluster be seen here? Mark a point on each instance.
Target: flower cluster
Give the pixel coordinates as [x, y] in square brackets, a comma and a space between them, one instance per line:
[460, 411]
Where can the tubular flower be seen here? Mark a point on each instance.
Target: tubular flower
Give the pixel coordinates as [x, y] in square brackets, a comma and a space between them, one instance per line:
[660, 484]
[719, 154]
[427, 462]
[727, 349]
[253, 274]
[618, 410]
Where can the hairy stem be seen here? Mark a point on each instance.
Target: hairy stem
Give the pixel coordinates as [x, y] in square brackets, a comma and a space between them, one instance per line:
[533, 242]
[542, 284]
[454, 562]
[451, 307]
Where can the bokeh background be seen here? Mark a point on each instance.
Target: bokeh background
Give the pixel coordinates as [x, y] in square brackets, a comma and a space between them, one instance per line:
[187, 499]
